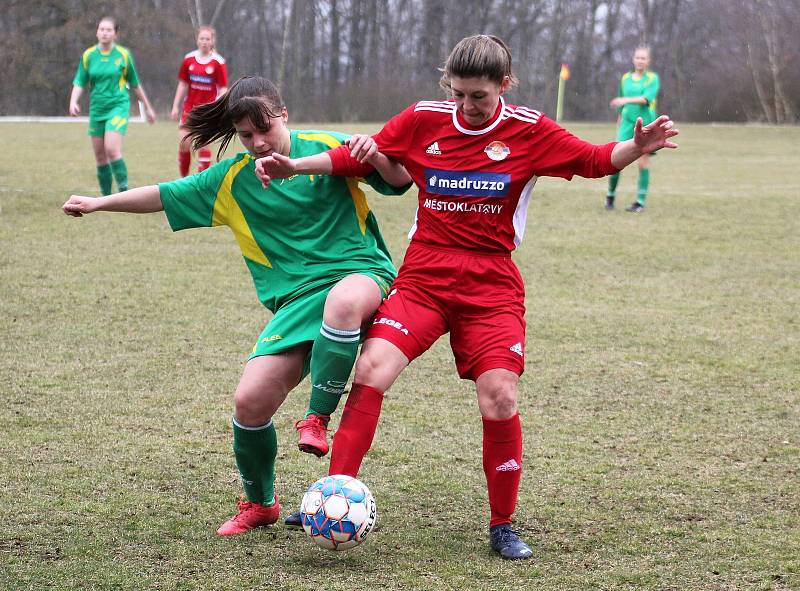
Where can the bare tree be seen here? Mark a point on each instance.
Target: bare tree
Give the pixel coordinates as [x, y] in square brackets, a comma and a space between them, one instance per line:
[354, 59]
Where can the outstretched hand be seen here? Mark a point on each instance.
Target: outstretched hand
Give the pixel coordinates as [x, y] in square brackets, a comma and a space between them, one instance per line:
[655, 135]
[77, 205]
[276, 166]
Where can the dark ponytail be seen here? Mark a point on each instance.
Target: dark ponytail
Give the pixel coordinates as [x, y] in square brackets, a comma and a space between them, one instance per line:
[251, 97]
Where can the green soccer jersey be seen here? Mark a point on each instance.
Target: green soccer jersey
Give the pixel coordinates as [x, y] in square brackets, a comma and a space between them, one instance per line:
[299, 234]
[647, 86]
[109, 73]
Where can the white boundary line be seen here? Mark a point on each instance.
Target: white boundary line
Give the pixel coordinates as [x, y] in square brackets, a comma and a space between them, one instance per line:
[34, 119]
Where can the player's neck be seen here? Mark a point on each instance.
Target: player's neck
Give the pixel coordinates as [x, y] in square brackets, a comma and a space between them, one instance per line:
[106, 47]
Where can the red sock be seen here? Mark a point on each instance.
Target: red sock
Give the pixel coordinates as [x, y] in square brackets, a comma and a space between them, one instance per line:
[502, 464]
[353, 438]
[184, 162]
[203, 159]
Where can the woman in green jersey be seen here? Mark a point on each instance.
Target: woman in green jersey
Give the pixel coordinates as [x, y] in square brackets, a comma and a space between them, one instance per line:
[638, 93]
[109, 69]
[319, 265]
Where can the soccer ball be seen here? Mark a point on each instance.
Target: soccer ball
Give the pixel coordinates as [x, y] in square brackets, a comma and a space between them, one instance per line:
[338, 512]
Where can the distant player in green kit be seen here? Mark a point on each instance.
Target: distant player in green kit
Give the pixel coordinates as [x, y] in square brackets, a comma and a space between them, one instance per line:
[109, 69]
[313, 248]
[638, 93]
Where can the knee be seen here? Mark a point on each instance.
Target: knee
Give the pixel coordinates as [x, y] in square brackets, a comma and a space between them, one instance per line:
[254, 407]
[342, 312]
[367, 366]
[373, 370]
[499, 400]
[113, 154]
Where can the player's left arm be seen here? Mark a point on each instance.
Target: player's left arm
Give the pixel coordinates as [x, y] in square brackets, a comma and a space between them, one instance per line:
[646, 139]
[222, 87]
[133, 80]
[651, 89]
[148, 108]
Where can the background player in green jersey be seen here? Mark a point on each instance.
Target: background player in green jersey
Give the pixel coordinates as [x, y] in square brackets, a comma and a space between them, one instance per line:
[315, 253]
[109, 69]
[638, 93]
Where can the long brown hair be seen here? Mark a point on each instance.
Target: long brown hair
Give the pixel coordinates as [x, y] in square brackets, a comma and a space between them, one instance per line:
[478, 56]
[250, 97]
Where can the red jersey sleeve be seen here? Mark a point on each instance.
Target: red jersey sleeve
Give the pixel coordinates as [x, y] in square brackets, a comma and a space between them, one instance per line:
[559, 153]
[183, 73]
[395, 139]
[343, 164]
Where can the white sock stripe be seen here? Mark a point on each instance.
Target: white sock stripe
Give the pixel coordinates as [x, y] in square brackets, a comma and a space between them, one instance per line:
[261, 428]
[341, 331]
[340, 335]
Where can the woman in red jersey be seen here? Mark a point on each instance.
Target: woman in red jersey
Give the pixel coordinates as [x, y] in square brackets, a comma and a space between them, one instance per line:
[475, 160]
[202, 78]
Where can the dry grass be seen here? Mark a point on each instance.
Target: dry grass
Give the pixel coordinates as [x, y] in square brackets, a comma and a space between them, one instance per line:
[661, 402]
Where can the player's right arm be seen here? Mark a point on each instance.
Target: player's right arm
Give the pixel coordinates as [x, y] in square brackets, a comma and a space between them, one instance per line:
[177, 103]
[140, 200]
[78, 83]
[74, 107]
[278, 166]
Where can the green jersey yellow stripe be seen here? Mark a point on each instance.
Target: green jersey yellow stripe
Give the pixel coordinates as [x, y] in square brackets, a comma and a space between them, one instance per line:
[228, 213]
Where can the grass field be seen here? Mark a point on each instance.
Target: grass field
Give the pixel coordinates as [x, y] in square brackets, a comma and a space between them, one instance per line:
[661, 400]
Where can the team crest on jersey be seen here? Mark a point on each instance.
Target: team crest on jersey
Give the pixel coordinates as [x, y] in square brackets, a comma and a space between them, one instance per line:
[497, 151]
[209, 69]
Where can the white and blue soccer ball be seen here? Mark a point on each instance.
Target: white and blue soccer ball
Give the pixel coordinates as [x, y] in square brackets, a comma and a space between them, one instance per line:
[338, 512]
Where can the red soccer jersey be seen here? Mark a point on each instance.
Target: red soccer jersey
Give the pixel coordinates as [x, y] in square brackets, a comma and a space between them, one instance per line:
[205, 76]
[475, 183]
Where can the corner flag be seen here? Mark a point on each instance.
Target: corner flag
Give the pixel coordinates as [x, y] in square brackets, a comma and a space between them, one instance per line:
[563, 76]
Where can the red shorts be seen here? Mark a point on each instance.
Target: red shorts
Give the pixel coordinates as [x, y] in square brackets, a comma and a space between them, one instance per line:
[478, 298]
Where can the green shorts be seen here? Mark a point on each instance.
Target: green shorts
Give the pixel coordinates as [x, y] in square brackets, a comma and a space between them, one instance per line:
[115, 120]
[299, 321]
[625, 131]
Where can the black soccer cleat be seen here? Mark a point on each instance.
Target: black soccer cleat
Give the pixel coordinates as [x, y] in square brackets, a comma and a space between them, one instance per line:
[294, 520]
[506, 542]
[635, 207]
[609, 202]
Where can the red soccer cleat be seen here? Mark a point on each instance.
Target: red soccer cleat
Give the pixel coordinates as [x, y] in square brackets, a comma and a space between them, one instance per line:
[313, 431]
[250, 516]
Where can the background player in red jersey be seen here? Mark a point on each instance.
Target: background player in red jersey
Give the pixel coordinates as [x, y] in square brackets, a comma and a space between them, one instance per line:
[475, 160]
[202, 78]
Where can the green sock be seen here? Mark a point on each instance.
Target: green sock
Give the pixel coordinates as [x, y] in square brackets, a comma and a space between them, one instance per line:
[104, 178]
[120, 173]
[255, 449]
[332, 357]
[612, 184]
[644, 182]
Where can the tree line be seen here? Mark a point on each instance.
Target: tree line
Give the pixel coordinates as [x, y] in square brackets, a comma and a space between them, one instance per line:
[349, 60]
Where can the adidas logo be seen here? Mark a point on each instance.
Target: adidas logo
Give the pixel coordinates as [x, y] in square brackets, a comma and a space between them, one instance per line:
[510, 466]
[434, 149]
[516, 348]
